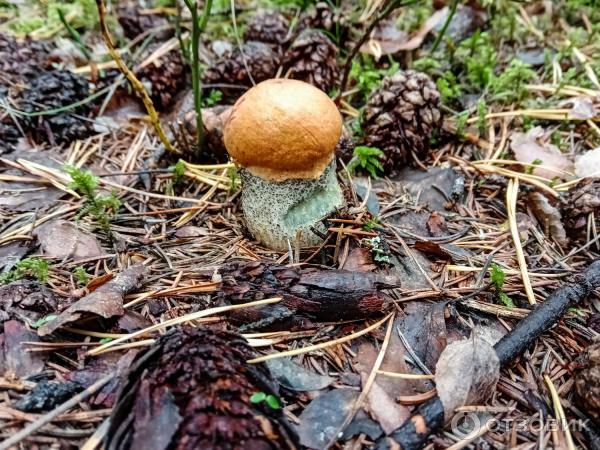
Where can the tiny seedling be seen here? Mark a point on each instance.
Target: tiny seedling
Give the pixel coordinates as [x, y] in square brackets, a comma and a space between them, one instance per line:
[212, 99]
[178, 172]
[44, 320]
[81, 276]
[35, 268]
[497, 278]
[371, 224]
[368, 159]
[379, 253]
[270, 400]
[100, 208]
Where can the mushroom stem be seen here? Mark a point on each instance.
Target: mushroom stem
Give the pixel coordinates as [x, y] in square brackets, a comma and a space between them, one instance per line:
[276, 211]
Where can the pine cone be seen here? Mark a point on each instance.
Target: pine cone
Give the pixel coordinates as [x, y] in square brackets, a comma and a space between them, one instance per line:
[134, 23]
[270, 27]
[400, 117]
[587, 381]
[344, 149]
[262, 61]
[165, 75]
[582, 200]
[327, 18]
[21, 60]
[192, 390]
[52, 90]
[311, 58]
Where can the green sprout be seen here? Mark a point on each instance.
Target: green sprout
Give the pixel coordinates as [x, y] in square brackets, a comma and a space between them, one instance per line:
[35, 268]
[101, 208]
[81, 275]
[380, 255]
[178, 171]
[271, 400]
[497, 278]
[368, 159]
[44, 320]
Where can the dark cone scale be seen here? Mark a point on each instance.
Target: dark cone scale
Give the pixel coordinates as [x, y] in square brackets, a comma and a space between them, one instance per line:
[134, 23]
[262, 61]
[52, 90]
[582, 200]
[165, 76]
[191, 391]
[21, 60]
[587, 381]
[311, 58]
[344, 149]
[270, 27]
[401, 116]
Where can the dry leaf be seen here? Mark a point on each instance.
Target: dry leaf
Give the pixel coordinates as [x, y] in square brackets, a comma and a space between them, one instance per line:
[106, 301]
[548, 216]
[582, 108]
[588, 164]
[466, 374]
[322, 418]
[384, 409]
[386, 39]
[436, 224]
[62, 239]
[14, 360]
[295, 377]
[359, 260]
[548, 160]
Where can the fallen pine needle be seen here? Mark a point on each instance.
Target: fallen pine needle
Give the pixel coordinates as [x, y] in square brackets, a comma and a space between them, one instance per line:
[559, 412]
[311, 348]
[406, 376]
[512, 191]
[180, 320]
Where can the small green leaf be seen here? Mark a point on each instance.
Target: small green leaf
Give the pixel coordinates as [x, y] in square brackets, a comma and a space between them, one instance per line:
[258, 397]
[44, 320]
[497, 276]
[273, 402]
[105, 340]
[506, 300]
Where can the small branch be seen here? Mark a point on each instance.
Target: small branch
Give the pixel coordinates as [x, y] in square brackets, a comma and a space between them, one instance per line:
[387, 10]
[137, 86]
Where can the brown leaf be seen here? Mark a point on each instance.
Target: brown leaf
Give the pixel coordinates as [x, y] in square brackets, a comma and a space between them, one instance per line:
[425, 331]
[359, 260]
[106, 301]
[192, 231]
[549, 161]
[436, 224]
[548, 216]
[386, 39]
[16, 361]
[384, 409]
[417, 39]
[466, 374]
[62, 239]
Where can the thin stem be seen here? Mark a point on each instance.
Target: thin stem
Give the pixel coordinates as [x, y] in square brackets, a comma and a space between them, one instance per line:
[387, 10]
[442, 32]
[138, 87]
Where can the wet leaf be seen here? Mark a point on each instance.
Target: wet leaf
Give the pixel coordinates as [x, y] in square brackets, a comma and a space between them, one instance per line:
[106, 301]
[295, 377]
[466, 374]
[62, 239]
[548, 216]
[322, 418]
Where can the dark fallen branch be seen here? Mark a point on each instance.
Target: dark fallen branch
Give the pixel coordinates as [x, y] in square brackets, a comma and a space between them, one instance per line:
[308, 294]
[429, 417]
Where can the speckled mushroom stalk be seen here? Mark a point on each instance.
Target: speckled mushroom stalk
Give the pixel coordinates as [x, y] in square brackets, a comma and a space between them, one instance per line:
[282, 135]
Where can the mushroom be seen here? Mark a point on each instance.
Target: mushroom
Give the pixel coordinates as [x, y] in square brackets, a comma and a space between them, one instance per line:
[282, 135]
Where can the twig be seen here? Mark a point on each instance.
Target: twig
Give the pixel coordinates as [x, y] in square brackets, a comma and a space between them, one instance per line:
[387, 10]
[138, 87]
[47, 418]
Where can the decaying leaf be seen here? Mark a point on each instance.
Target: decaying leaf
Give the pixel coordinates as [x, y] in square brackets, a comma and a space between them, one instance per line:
[548, 216]
[425, 330]
[384, 409]
[466, 374]
[588, 164]
[295, 377]
[106, 301]
[436, 224]
[62, 239]
[359, 260]
[322, 418]
[386, 39]
[419, 184]
[549, 162]
[582, 108]
[14, 360]
[26, 301]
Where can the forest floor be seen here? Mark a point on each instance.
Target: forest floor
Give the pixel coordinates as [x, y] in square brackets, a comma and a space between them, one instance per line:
[459, 228]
